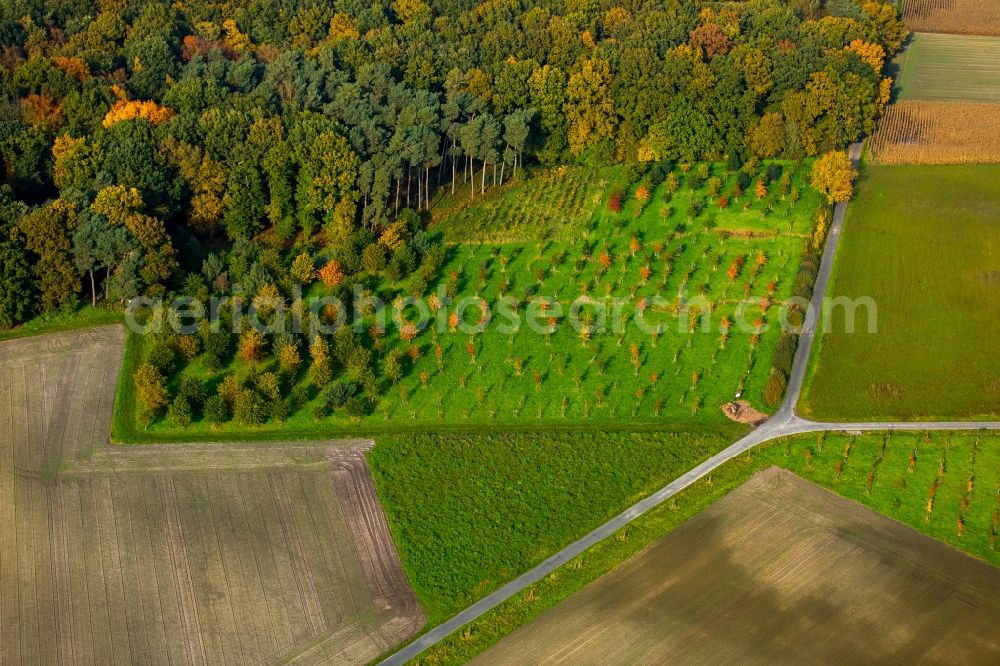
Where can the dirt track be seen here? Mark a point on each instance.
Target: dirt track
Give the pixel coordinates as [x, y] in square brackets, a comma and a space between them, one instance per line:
[179, 554]
[778, 569]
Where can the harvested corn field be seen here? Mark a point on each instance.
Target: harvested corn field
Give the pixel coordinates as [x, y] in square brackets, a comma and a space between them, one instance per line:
[178, 554]
[914, 132]
[962, 17]
[778, 567]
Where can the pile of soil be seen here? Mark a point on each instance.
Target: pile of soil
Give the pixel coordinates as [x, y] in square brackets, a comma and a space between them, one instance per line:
[742, 412]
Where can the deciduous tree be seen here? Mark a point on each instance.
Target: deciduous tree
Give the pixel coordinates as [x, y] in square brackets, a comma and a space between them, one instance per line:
[833, 176]
[150, 386]
[17, 288]
[590, 112]
[47, 232]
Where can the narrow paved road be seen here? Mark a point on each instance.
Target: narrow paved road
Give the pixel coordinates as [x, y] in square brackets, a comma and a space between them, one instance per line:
[801, 362]
[784, 422]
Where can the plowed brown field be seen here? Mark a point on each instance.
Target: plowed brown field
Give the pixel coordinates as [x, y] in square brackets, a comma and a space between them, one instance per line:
[178, 554]
[778, 569]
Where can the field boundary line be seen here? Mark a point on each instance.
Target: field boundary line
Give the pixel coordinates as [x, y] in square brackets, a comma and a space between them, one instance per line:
[373, 542]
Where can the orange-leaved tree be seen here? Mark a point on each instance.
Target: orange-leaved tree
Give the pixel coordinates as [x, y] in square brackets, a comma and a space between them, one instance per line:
[132, 109]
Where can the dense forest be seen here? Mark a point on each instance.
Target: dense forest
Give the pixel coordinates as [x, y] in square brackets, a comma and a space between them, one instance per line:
[154, 147]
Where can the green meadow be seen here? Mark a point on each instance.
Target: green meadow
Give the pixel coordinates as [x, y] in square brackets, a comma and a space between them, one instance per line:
[922, 243]
[470, 512]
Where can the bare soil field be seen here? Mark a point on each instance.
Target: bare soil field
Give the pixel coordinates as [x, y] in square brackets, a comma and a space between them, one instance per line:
[917, 132]
[962, 17]
[778, 567]
[178, 554]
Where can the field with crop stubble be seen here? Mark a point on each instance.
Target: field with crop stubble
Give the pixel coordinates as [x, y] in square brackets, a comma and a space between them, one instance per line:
[777, 567]
[915, 132]
[178, 555]
[963, 17]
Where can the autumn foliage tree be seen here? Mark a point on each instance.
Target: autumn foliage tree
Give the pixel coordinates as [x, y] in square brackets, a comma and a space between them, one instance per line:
[207, 204]
[590, 111]
[42, 111]
[76, 162]
[150, 386]
[251, 345]
[289, 359]
[774, 391]
[302, 271]
[733, 271]
[615, 201]
[332, 273]
[833, 176]
[321, 370]
[710, 40]
[193, 45]
[872, 54]
[74, 66]
[122, 207]
[149, 111]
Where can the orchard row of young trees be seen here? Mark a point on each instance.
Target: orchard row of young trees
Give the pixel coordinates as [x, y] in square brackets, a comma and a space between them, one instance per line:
[152, 129]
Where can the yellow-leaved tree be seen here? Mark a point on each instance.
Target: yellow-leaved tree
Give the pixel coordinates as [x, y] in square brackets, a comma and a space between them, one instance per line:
[589, 109]
[131, 109]
[873, 54]
[833, 176]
